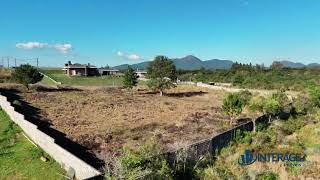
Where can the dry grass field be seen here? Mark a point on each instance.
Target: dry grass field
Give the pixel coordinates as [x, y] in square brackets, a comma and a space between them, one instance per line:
[106, 119]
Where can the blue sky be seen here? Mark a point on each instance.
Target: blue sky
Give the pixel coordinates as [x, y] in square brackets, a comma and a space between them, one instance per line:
[129, 31]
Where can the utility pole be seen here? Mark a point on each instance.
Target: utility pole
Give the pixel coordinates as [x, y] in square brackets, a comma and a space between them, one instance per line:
[8, 62]
[37, 63]
[2, 62]
[15, 62]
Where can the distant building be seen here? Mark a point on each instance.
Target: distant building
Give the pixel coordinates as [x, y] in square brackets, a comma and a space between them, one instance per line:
[141, 74]
[77, 69]
[80, 69]
[108, 72]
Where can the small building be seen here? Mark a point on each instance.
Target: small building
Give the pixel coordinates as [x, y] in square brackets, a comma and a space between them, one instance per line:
[141, 74]
[109, 72]
[80, 69]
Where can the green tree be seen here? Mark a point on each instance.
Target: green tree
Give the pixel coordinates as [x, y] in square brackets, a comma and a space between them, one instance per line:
[162, 73]
[256, 104]
[314, 92]
[26, 74]
[130, 78]
[233, 105]
[271, 107]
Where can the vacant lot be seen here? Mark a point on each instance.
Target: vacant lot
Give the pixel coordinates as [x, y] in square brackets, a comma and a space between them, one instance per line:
[104, 120]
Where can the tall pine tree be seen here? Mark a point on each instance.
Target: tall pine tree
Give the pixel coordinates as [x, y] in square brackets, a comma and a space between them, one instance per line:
[130, 78]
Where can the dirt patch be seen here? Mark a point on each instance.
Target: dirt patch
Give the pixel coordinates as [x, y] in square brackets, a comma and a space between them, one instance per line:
[106, 119]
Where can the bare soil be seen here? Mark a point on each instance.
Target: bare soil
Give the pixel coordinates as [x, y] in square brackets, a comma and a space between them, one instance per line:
[106, 119]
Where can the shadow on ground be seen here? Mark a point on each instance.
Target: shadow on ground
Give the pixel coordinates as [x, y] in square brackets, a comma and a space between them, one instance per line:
[179, 94]
[32, 114]
[42, 88]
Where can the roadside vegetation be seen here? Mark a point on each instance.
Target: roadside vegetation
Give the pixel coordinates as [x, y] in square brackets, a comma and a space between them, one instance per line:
[19, 158]
[256, 77]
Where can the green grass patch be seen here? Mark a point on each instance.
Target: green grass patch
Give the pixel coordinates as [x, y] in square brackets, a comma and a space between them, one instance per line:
[59, 76]
[88, 81]
[19, 159]
[47, 81]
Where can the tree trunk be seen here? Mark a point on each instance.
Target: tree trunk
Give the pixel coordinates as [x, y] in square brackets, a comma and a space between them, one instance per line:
[231, 120]
[161, 93]
[269, 121]
[27, 86]
[254, 125]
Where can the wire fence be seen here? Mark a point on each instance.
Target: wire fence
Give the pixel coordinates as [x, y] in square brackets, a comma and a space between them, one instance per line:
[12, 62]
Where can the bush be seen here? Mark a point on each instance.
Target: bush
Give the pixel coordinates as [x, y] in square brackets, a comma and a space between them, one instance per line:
[280, 96]
[314, 92]
[267, 176]
[264, 139]
[147, 162]
[245, 96]
[271, 107]
[216, 171]
[130, 78]
[233, 105]
[26, 74]
[292, 125]
[302, 104]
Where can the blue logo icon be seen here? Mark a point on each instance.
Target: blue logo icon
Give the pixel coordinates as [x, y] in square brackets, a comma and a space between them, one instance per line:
[247, 159]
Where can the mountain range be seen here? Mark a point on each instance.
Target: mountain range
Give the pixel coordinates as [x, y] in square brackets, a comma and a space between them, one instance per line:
[290, 64]
[186, 63]
[191, 62]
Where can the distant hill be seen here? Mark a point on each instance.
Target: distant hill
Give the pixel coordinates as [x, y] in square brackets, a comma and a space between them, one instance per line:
[290, 64]
[186, 63]
[139, 66]
[313, 65]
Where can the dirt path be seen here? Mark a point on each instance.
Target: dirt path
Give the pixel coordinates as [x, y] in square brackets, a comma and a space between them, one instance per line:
[258, 91]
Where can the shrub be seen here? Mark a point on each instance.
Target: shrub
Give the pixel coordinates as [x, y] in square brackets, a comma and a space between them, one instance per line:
[26, 74]
[246, 96]
[302, 104]
[271, 107]
[314, 92]
[292, 125]
[233, 105]
[216, 171]
[147, 162]
[280, 96]
[267, 176]
[130, 78]
[264, 139]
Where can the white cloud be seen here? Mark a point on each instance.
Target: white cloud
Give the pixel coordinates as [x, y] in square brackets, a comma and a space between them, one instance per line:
[129, 56]
[62, 48]
[119, 53]
[134, 57]
[31, 45]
